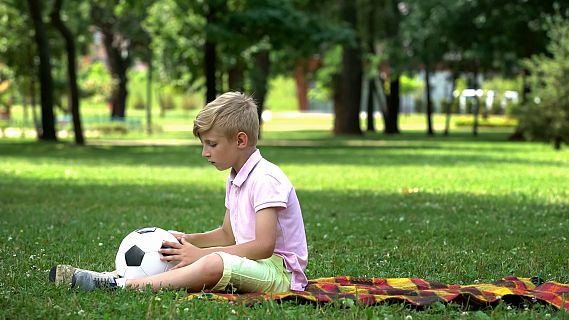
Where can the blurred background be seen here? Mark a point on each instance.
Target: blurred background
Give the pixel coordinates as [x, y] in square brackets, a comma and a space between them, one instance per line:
[81, 70]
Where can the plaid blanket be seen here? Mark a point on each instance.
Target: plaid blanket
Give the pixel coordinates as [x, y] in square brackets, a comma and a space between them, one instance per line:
[413, 291]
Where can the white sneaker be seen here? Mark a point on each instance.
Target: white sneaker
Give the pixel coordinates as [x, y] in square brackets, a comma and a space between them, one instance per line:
[88, 280]
[63, 274]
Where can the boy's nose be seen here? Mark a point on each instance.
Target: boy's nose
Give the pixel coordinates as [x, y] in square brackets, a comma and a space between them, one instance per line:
[205, 152]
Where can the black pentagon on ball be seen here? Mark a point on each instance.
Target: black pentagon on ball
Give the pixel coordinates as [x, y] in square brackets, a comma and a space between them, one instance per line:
[134, 256]
[146, 230]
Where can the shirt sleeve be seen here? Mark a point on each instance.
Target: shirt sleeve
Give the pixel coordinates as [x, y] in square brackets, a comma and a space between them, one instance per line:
[269, 192]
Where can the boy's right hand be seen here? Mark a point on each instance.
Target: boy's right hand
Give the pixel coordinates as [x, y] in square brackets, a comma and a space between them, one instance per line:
[179, 235]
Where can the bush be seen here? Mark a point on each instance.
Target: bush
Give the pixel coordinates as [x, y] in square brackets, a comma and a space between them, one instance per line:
[189, 103]
[419, 105]
[489, 122]
[496, 107]
[546, 116]
[114, 127]
[166, 102]
[139, 103]
[95, 82]
[446, 104]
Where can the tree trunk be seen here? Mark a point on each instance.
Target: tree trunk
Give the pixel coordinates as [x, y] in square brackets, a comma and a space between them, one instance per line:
[33, 106]
[429, 102]
[450, 104]
[391, 123]
[476, 103]
[210, 81]
[347, 89]
[117, 49]
[25, 109]
[46, 81]
[210, 53]
[235, 78]
[301, 84]
[149, 97]
[557, 143]
[259, 78]
[518, 135]
[370, 108]
[118, 64]
[71, 70]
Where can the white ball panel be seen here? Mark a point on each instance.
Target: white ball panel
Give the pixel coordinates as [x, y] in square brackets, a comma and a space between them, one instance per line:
[152, 265]
[134, 273]
[152, 241]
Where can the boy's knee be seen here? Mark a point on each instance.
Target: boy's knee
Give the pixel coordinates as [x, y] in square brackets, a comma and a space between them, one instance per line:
[212, 268]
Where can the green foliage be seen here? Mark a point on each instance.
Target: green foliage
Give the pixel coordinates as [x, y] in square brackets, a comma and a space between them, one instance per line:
[501, 85]
[324, 76]
[17, 47]
[409, 84]
[190, 103]
[139, 103]
[176, 31]
[95, 82]
[110, 128]
[282, 95]
[166, 102]
[546, 116]
[487, 122]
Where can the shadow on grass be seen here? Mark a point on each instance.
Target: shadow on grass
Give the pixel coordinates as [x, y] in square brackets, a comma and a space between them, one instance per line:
[332, 152]
[500, 135]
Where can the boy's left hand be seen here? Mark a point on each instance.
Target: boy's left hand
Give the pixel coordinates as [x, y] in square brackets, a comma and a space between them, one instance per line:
[183, 252]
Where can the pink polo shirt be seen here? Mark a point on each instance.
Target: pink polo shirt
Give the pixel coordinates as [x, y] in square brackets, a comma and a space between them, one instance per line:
[259, 185]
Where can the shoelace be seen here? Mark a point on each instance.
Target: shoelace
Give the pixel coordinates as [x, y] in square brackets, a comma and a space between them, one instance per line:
[105, 282]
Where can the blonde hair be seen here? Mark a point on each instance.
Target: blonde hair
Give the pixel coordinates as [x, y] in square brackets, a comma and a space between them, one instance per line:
[231, 112]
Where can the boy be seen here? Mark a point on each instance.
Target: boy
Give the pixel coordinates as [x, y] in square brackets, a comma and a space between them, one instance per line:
[261, 245]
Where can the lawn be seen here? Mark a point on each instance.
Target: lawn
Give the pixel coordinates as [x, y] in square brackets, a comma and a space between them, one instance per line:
[457, 209]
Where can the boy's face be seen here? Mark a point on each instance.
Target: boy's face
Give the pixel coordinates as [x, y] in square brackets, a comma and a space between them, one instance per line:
[219, 151]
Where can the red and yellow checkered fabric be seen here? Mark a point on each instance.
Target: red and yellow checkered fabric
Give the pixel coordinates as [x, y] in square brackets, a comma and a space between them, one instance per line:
[414, 291]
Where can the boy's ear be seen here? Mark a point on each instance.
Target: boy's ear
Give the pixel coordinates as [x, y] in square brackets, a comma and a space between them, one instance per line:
[242, 139]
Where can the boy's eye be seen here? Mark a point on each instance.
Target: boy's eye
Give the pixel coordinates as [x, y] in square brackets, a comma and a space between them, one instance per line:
[213, 144]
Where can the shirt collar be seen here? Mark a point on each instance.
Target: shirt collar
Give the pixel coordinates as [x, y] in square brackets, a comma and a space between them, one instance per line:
[249, 165]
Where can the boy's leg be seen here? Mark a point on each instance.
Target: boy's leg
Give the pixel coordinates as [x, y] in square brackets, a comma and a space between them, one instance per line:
[200, 275]
[245, 275]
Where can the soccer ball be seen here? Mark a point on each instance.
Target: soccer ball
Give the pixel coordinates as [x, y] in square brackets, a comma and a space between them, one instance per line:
[138, 254]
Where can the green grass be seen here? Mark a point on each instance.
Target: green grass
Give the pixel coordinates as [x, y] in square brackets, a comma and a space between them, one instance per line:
[454, 209]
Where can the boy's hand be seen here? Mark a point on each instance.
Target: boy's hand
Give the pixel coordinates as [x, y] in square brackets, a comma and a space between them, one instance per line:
[183, 252]
[179, 235]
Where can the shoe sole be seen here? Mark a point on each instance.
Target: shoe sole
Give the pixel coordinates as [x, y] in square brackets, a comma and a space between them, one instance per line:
[62, 274]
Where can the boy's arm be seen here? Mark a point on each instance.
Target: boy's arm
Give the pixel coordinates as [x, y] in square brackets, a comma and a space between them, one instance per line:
[261, 248]
[265, 238]
[220, 237]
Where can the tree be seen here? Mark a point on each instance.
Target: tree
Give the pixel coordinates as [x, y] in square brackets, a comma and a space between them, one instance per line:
[348, 83]
[46, 81]
[391, 40]
[546, 116]
[17, 53]
[178, 57]
[124, 38]
[71, 69]
[263, 31]
[493, 36]
[423, 31]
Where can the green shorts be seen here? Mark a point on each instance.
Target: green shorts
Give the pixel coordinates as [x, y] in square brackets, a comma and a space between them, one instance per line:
[245, 275]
